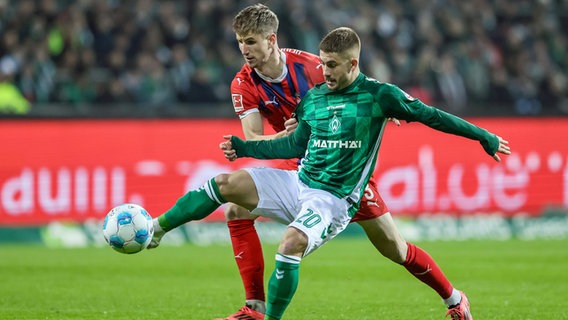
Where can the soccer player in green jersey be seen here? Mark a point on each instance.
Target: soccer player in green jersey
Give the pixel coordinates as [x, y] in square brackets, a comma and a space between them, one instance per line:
[270, 85]
[268, 88]
[340, 126]
[339, 132]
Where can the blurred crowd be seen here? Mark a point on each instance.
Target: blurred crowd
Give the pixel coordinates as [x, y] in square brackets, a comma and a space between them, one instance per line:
[507, 57]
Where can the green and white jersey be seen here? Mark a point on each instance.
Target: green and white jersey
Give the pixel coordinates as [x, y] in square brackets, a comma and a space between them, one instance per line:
[339, 133]
[345, 130]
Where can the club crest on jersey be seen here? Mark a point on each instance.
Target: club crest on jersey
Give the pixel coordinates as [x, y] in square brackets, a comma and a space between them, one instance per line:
[335, 124]
[237, 102]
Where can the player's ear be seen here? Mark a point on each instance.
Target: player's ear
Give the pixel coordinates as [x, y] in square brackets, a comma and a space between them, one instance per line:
[354, 64]
[272, 39]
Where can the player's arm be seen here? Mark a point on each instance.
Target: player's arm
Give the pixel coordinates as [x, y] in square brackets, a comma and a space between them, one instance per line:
[245, 101]
[398, 105]
[291, 146]
[253, 128]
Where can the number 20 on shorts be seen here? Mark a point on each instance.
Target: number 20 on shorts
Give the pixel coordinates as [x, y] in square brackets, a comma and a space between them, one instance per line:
[309, 219]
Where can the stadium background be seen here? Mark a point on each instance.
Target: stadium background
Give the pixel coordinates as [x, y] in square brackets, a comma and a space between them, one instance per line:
[103, 102]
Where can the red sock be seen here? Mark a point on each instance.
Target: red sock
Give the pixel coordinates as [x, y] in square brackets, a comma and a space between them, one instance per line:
[422, 266]
[248, 255]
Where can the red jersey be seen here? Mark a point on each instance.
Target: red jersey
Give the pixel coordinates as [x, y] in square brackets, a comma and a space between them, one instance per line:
[276, 99]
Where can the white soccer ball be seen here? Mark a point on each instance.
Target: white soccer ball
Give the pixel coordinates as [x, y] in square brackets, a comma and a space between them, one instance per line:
[128, 228]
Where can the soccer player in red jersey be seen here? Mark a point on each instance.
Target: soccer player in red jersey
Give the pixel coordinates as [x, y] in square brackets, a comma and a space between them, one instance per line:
[270, 85]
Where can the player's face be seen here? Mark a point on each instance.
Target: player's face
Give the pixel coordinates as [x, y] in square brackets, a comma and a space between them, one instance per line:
[337, 70]
[255, 48]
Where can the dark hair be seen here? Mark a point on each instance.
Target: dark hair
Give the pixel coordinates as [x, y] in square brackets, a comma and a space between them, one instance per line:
[340, 40]
[255, 19]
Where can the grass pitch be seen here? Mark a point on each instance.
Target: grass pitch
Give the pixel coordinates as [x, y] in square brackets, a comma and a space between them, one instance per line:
[346, 279]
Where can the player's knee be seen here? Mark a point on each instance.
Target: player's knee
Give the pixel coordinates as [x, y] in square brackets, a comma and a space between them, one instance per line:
[226, 184]
[230, 183]
[222, 180]
[293, 247]
[395, 251]
[386, 238]
[393, 248]
[293, 243]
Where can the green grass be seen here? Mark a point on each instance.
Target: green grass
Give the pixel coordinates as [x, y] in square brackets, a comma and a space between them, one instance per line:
[345, 279]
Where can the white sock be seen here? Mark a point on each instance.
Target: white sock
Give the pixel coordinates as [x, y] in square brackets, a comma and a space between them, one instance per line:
[157, 228]
[454, 299]
[257, 305]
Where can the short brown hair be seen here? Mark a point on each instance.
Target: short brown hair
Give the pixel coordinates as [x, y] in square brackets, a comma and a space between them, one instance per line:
[255, 19]
[340, 40]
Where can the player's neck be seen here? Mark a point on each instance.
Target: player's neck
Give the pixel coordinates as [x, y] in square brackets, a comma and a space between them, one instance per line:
[274, 67]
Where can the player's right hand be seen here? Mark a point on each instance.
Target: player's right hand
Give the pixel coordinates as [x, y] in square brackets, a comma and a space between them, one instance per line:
[290, 125]
[227, 147]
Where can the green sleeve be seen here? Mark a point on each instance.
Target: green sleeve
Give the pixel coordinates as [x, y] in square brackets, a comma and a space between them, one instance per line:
[395, 103]
[292, 146]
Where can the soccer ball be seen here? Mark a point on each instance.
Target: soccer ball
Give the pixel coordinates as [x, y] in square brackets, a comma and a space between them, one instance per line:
[128, 228]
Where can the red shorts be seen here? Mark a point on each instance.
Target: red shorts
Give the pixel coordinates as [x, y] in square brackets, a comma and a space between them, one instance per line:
[372, 205]
[288, 164]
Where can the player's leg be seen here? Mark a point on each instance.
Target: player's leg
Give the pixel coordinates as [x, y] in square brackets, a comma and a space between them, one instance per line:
[277, 199]
[248, 255]
[389, 242]
[237, 187]
[385, 236]
[321, 217]
[284, 280]
[379, 226]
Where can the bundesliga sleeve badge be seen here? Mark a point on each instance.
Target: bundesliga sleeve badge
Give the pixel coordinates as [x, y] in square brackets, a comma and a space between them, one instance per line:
[237, 102]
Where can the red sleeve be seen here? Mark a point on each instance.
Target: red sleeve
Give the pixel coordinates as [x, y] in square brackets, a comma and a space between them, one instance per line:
[243, 93]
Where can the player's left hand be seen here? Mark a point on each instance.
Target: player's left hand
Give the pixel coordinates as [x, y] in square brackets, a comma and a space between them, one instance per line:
[227, 147]
[503, 148]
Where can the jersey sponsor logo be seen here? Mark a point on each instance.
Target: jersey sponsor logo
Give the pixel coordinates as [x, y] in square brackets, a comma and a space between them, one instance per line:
[337, 144]
[239, 81]
[237, 102]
